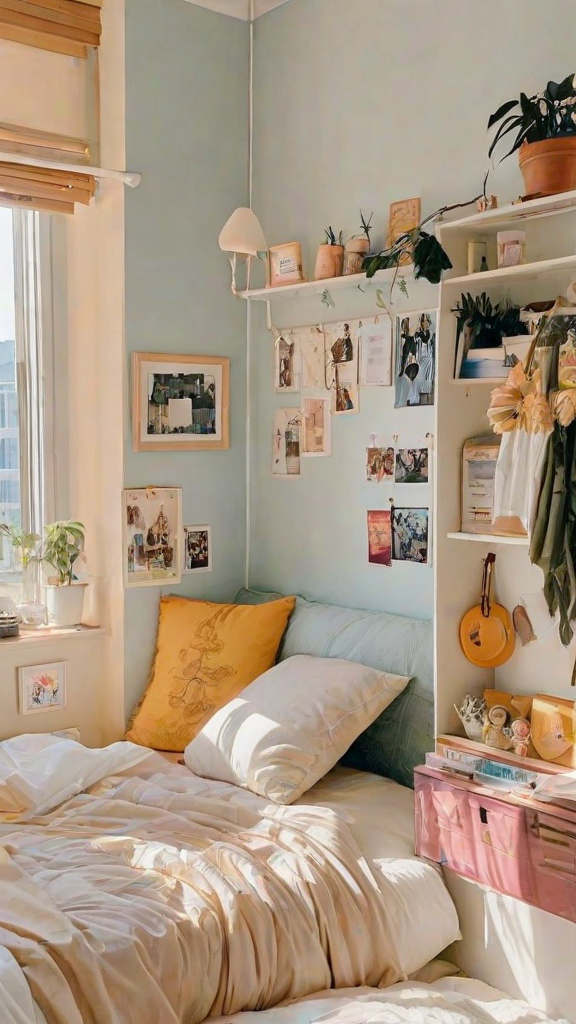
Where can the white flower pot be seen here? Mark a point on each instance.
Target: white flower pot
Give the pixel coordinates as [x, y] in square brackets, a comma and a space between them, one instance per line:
[65, 604]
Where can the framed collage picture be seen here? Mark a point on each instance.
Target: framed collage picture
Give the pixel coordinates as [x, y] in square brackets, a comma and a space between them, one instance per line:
[180, 402]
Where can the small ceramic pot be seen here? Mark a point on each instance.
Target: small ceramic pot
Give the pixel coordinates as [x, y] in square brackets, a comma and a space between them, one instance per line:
[65, 604]
[285, 264]
[329, 261]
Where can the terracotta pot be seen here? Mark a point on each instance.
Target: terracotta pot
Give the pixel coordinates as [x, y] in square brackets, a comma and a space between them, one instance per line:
[329, 261]
[361, 244]
[549, 167]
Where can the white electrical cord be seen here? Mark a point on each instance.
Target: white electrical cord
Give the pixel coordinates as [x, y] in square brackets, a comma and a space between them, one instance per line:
[249, 305]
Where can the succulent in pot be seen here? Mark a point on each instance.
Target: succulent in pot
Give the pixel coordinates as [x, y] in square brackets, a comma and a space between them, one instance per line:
[330, 256]
[63, 545]
[543, 128]
[358, 247]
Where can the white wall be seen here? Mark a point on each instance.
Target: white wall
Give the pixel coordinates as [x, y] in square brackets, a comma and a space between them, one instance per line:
[358, 105]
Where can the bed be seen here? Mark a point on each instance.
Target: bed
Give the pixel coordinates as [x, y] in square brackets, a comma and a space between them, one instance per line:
[153, 895]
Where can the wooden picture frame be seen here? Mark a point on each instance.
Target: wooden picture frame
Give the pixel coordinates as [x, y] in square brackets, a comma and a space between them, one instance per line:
[405, 215]
[177, 423]
[153, 536]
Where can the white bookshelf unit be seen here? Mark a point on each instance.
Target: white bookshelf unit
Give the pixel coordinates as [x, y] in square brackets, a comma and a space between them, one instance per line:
[542, 666]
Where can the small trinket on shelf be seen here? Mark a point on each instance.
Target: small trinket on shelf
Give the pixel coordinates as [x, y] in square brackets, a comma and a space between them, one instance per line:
[487, 203]
[471, 713]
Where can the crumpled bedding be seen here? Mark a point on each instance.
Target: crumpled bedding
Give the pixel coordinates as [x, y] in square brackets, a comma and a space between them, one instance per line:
[158, 898]
[448, 1001]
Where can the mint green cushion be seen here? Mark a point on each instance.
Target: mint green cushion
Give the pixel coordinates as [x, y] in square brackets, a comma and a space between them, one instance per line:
[398, 740]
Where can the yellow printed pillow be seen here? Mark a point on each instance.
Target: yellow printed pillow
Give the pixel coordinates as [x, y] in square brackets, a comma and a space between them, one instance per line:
[205, 655]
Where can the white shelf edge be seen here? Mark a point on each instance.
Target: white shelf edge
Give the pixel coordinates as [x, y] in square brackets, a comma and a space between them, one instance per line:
[523, 270]
[33, 637]
[480, 380]
[489, 538]
[512, 212]
[287, 291]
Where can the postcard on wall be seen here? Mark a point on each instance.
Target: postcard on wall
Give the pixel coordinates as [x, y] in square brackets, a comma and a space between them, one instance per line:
[286, 363]
[415, 360]
[316, 425]
[179, 402]
[412, 466]
[286, 443]
[404, 216]
[379, 464]
[410, 534]
[311, 344]
[197, 550]
[375, 338]
[42, 688]
[379, 537]
[342, 352]
[153, 536]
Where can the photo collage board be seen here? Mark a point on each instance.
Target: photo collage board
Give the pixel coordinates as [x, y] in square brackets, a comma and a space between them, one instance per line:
[327, 365]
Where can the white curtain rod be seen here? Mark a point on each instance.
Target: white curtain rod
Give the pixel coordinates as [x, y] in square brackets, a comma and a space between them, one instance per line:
[130, 178]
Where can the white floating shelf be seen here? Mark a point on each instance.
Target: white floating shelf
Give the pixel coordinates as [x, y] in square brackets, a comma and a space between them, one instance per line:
[309, 288]
[489, 538]
[560, 265]
[511, 214]
[480, 380]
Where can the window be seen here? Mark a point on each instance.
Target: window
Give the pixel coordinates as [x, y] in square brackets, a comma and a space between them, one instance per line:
[25, 372]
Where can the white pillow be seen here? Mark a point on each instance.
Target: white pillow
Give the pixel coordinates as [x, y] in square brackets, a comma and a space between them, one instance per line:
[291, 725]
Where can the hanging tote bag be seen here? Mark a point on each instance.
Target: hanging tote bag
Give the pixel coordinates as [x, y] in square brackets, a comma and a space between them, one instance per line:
[520, 411]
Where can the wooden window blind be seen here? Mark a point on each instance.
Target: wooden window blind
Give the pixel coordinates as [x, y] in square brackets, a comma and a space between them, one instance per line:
[63, 26]
[15, 140]
[41, 188]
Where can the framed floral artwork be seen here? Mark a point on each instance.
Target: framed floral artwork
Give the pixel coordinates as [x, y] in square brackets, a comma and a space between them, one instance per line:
[42, 688]
[180, 403]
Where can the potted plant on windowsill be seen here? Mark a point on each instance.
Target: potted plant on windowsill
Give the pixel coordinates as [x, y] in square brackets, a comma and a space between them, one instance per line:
[63, 544]
[544, 131]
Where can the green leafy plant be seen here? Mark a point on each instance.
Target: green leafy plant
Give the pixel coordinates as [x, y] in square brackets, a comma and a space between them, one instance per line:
[63, 544]
[332, 238]
[365, 227]
[487, 323]
[421, 248]
[547, 115]
[25, 544]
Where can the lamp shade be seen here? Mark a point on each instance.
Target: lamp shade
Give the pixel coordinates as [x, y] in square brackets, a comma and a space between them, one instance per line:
[242, 233]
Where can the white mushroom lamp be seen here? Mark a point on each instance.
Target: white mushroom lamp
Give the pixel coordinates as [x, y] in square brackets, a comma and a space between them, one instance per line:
[242, 236]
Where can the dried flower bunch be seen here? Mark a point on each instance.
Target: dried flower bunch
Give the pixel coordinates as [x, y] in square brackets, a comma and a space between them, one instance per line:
[519, 404]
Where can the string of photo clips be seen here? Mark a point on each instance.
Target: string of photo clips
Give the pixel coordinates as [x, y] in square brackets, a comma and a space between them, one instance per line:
[405, 532]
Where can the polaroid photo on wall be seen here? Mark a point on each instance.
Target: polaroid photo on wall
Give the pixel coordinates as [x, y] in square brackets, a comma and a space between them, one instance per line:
[286, 443]
[415, 361]
[379, 464]
[375, 338]
[42, 688]
[310, 342]
[379, 537]
[412, 466]
[410, 534]
[315, 431]
[342, 353]
[197, 550]
[286, 363]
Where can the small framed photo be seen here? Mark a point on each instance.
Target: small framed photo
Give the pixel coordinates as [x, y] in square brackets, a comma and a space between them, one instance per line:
[42, 688]
[197, 550]
[180, 402]
[153, 536]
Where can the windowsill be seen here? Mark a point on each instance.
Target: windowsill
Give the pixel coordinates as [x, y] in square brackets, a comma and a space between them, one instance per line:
[51, 634]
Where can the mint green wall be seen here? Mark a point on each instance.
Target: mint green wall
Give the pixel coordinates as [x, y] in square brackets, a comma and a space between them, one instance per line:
[360, 103]
[187, 132]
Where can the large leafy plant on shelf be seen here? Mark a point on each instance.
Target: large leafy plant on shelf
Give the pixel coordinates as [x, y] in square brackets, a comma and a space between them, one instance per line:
[546, 115]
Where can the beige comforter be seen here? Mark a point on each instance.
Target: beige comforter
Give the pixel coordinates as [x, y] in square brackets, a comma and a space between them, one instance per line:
[154, 901]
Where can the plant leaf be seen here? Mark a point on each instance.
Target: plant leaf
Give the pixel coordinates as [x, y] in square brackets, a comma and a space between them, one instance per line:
[507, 126]
[501, 112]
[380, 299]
